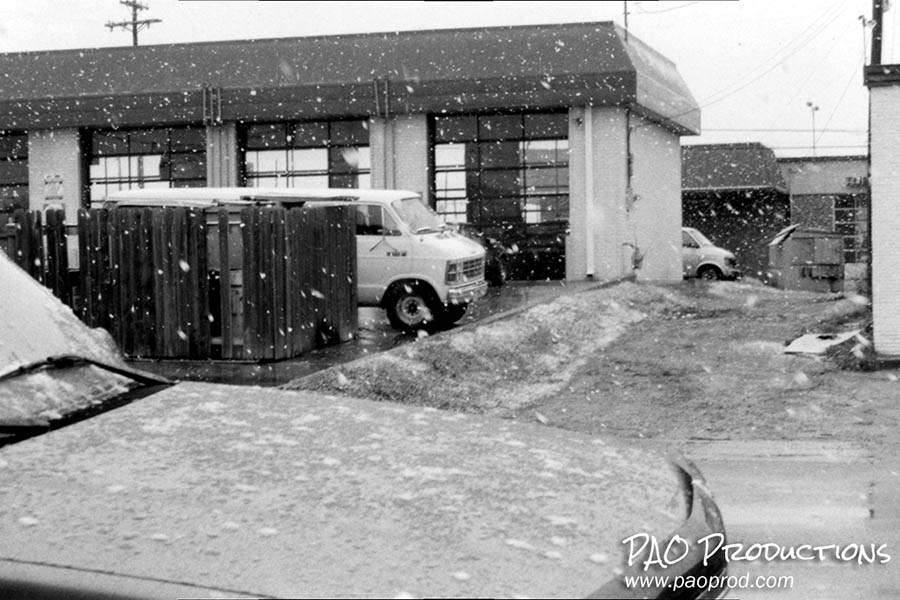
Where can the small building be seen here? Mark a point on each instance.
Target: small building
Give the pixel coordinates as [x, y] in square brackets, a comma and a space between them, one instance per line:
[554, 135]
[736, 195]
[831, 193]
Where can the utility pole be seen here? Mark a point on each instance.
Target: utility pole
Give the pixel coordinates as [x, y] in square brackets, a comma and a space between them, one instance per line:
[877, 16]
[625, 14]
[134, 24]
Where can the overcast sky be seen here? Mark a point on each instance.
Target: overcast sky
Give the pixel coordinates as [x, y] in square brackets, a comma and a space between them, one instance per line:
[752, 64]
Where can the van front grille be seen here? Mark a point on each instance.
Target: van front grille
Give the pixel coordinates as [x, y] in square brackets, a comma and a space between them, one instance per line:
[473, 269]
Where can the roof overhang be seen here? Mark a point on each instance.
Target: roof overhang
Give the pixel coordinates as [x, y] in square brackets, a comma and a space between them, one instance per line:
[881, 75]
[440, 71]
[746, 188]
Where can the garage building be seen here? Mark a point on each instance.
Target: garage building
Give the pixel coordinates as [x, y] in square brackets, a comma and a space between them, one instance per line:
[563, 139]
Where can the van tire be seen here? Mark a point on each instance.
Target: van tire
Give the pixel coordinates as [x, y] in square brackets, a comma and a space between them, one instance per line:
[412, 306]
[709, 273]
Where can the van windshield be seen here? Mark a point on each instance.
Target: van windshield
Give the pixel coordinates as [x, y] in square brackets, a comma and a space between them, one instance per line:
[700, 238]
[419, 218]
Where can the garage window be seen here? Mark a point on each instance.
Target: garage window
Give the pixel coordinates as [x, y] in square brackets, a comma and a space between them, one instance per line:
[308, 154]
[162, 157]
[494, 170]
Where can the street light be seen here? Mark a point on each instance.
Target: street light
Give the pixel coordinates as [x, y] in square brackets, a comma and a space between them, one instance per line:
[812, 111]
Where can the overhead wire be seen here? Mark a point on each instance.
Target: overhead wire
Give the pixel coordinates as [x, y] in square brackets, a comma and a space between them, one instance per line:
[816, 28]
[783, 129]
[853, 75]
[776, 54]
[639, 6]
[727, 92]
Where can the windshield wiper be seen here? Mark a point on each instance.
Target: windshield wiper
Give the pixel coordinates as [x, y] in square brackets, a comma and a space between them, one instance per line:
[16, 429]
[63, 361]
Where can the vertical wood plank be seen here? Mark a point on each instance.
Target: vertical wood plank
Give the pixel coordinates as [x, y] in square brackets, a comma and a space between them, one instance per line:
[170, 266]
[250, 237]
[294, 297]
[57, 262]
[145, 290]
[279, 286]
[159, 241]
[266, 283]
[202, 310]
[225, 285]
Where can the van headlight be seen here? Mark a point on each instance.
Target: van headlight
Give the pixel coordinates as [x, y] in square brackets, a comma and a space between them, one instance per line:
[454, 272]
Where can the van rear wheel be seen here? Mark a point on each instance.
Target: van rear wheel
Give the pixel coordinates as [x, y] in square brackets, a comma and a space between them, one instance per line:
[412, 306]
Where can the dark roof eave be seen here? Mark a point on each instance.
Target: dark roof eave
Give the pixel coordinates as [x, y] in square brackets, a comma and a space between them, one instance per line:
[318, 101]
[687, 123]
[742, 188]
[881, 75]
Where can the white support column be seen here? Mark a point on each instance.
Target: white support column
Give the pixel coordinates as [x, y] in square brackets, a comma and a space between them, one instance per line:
[576, 241]
[399, 150]
[654, 215]
[222, 155]
[55, 171]
[590, 227]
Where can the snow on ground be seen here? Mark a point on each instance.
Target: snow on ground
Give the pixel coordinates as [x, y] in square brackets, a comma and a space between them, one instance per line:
[506, 364]
[680, 361]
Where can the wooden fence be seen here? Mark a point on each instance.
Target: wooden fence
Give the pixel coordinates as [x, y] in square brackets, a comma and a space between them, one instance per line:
[39, 250]
[262, 284]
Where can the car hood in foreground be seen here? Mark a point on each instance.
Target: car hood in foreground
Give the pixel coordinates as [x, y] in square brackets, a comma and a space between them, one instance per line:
[276, 493]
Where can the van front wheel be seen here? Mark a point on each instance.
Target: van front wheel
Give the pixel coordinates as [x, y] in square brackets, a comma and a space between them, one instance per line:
[709, 273]
[412, 306]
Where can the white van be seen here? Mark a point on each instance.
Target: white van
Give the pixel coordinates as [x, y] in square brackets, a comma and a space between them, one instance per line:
[409, 261]
[701, 258]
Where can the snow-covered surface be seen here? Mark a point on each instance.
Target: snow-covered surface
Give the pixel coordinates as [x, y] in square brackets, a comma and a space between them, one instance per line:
[818, 343]
[36, 324]
[282, 493]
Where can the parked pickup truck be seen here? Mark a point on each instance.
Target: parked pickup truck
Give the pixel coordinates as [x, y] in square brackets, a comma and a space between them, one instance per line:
[409, 261]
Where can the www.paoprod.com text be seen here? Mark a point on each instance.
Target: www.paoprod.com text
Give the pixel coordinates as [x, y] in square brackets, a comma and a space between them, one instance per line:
[711, 582]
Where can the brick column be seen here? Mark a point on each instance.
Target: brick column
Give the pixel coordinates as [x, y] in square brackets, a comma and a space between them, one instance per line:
[399, 148]
[597, 187]
[222, 155]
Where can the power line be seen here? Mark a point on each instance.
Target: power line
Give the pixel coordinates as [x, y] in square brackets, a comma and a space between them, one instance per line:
[853, 75]
[818, 147]
[665, 10]
[726, 92]
[134, 24]
[787, 130]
